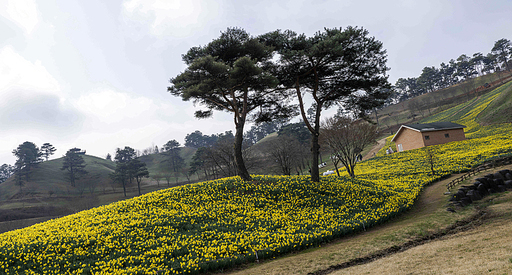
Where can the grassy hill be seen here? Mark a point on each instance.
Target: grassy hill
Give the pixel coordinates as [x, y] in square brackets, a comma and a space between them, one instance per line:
[48, 179]
[218, 224]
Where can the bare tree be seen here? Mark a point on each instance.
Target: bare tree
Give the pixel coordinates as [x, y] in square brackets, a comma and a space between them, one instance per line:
[167, 177]
[286, 152]
[415, 106]
[427, 103]
[430, 158]
[157, 177]
[347, 138]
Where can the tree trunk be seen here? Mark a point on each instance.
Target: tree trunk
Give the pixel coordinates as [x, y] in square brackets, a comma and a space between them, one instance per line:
[315, 151]
[240, 165]
[315, 145]
[335, 162]
[350, 169]
[124, 188]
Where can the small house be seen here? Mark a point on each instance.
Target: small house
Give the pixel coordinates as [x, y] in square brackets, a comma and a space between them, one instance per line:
[413, 136]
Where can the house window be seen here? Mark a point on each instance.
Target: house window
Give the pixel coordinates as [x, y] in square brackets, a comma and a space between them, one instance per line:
[446, 135]
[427, 137]
[400, 148]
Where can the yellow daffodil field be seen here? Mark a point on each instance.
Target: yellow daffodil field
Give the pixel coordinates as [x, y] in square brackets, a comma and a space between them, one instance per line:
[212, 225]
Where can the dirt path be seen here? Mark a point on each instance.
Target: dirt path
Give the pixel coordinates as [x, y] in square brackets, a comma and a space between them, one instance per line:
[375, 149]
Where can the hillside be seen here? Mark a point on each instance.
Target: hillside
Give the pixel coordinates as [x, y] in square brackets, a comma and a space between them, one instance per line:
[499, 111]
[48, 179]
[421, 107]
[220, 224]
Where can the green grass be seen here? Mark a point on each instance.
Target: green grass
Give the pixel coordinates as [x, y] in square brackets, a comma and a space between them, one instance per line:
[499, 111]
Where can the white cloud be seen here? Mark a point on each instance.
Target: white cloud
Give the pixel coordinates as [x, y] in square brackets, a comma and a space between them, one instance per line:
[29, 95]
[22, 12]
[17, 72]
[175, 18]
[107, 106]
[32, 105]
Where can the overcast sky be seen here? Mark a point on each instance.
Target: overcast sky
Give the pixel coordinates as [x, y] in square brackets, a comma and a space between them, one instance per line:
[94, 74]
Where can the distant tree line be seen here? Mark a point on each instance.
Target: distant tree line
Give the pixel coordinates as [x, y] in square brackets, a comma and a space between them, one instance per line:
[455, 71]
[215, 158]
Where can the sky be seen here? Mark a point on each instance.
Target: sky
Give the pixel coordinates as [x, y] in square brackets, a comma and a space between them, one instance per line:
[94, 74]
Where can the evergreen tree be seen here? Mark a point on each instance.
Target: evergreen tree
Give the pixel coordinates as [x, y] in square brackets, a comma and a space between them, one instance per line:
[6, 171]
[74, 164]
[503, 50]
[47, 150]
[28, 156]
[233, 73]
[336, 66]
[123, 173]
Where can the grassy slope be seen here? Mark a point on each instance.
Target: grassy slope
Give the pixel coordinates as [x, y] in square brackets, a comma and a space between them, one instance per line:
[499, 111]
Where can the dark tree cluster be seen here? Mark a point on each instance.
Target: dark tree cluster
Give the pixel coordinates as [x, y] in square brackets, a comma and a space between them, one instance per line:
[27, 156]
[455, 71]
[74, 165]
[259, 131]
[298, 130]
[129, 168]
[198, 140]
